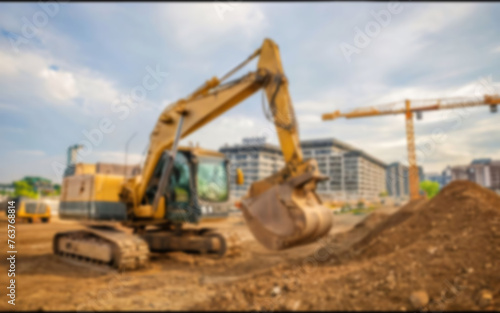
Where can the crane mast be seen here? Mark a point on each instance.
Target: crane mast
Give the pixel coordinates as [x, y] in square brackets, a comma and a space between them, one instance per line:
[408, 110]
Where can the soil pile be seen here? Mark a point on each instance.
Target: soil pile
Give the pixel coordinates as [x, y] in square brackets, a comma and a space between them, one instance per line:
[459, 214]
[438, 254]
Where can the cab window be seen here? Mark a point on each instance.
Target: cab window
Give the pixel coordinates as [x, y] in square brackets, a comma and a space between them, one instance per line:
[179, 187]
[212, 182]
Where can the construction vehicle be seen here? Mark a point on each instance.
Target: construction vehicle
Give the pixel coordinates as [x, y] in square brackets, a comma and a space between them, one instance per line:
[30, 210]
[281, 211]
[408, 110]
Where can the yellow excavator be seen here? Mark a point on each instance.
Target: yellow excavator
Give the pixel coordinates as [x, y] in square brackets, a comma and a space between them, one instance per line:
[281, 211]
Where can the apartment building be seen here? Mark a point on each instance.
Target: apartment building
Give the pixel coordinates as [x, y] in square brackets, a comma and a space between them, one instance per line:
[397, 180]
[397, 177]
[256, 158]
[485, 172]
[353, 173]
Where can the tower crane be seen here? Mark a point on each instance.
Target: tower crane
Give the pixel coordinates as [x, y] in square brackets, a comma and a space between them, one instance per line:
[421, 105]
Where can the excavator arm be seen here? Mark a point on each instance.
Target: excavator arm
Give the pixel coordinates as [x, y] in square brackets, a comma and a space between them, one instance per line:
[282, 210]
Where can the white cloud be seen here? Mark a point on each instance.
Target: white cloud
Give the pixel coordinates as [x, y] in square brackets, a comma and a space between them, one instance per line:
[60, 84]
[308, 119]
[203, 25]
[406, 40]
[14, 64]
[7, 64]
[56, 85]
[96, 88]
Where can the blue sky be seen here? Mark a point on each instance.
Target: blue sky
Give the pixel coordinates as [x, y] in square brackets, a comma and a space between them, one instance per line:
[64, 76]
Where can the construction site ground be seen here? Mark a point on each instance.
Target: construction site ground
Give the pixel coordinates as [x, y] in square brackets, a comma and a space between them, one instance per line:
[438, 254]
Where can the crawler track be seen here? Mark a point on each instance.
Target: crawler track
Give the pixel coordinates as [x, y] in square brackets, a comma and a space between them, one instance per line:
[103, 246]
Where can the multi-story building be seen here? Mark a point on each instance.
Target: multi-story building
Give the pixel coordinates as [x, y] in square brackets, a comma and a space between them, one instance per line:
[495, 175]
[479, 172]
[397, 179]
[371, 178]
[353, 173]
[256, 158]
[460, 172]
[329, 153]
[485, 172]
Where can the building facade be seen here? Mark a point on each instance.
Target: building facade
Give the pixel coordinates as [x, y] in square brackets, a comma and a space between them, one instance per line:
[353, 173]
[256, 158]
[398, 184]
[329, 153]
[397, 180]
[484, 172]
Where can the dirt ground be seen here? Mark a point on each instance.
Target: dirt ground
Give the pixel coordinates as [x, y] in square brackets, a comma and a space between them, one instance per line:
[439, 254]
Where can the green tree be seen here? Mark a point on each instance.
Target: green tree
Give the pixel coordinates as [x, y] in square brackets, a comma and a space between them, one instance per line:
[431, 188]
[23, 189]
[57, 190]
[5, 193]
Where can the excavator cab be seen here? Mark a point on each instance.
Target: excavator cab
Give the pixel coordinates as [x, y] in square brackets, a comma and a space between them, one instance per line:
[198, 185]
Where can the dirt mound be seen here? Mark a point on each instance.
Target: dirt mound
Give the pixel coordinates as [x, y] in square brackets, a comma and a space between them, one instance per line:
[459, 206]
[438, 254]
[392, 221]
[370, 221]
[345, 240]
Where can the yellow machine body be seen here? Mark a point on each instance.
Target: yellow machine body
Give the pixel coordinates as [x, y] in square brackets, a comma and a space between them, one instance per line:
[92, 197]
[32, 210]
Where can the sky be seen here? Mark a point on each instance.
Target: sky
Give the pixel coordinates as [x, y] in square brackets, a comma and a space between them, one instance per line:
[67, 69]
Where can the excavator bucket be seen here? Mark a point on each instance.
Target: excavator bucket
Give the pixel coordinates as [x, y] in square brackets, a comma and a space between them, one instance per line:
[287, 214]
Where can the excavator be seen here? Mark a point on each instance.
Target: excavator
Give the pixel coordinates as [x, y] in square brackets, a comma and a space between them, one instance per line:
[175, 183]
